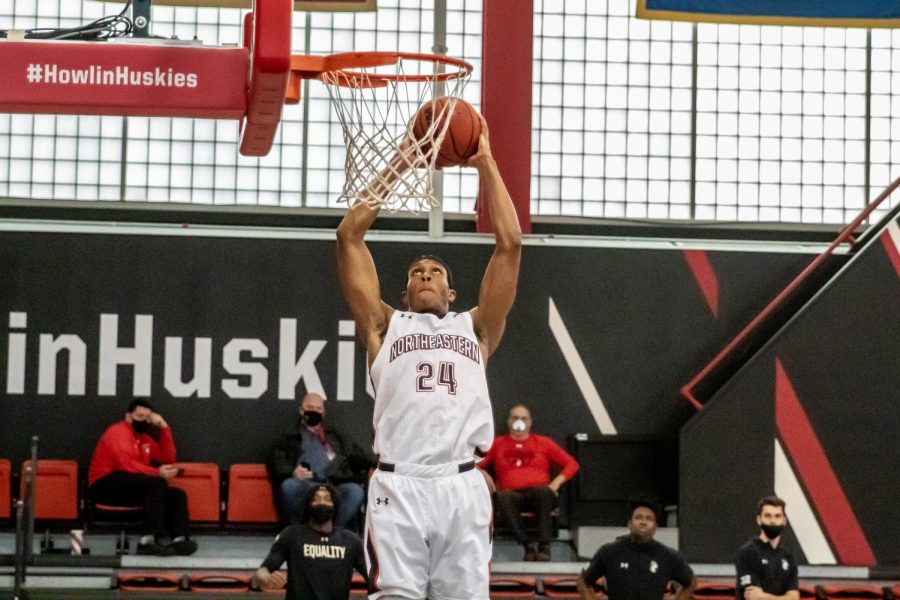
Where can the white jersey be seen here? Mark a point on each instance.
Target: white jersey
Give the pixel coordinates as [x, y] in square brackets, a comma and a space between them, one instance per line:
[431, 395]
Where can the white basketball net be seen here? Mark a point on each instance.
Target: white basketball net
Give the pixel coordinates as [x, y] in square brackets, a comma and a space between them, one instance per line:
[377, 116]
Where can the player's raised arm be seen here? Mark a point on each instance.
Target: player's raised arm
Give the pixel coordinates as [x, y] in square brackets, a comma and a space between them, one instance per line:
[498, 287]
[356, 269]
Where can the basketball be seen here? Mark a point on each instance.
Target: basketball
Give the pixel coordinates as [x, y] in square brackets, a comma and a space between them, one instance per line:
[461, 140]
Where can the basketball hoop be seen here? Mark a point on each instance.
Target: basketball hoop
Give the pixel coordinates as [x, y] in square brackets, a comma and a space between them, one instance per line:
[376, 98]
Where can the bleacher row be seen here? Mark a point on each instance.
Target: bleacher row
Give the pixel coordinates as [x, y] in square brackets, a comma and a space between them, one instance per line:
[502, 587]
[244, 496]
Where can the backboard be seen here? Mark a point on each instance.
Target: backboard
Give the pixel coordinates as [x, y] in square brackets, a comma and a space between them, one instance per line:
[307, 5]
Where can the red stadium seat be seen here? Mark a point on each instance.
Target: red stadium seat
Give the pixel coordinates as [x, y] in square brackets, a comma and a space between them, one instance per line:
[512, 586]
[848, 591]
[218, 583]
[5, 489]
[358, 587]
[56, 491]
[807, 591]
[564, 587]
[250, 495]
[715, 590]
[149, 582]
[200, 481]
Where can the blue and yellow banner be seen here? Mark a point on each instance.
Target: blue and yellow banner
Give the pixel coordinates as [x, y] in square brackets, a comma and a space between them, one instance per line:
[818, 13]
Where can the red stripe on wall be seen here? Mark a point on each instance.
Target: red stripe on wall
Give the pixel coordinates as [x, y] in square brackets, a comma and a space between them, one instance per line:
[818, 478]
[703, 272]
[891, 249]
[507, 48]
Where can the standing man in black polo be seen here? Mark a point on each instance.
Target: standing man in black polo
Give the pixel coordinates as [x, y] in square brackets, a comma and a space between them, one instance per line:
[635, 566]
[765, 570]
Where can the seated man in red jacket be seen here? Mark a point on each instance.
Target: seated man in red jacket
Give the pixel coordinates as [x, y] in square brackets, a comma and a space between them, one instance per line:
[521, 462]
[131, 466]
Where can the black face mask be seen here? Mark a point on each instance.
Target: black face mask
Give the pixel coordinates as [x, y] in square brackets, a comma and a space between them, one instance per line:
[321, 513]
[312, 418]
[772, 531]
[140, 427]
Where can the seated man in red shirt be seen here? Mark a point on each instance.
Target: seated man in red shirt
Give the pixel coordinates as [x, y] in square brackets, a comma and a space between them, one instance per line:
[521, 462]
[131, 466]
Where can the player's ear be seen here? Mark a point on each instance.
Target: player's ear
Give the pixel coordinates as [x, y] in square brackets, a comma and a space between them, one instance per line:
[403, 299]
[451, 295]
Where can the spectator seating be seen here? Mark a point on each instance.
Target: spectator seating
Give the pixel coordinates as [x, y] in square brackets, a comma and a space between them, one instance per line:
[512, 586]
[250, 495]
[562, 587]
[56, 491]
[219, 582]
[5, 489]
[715, 590]
[149, 582]
[847, 591]
[200, 481]
[359, 589]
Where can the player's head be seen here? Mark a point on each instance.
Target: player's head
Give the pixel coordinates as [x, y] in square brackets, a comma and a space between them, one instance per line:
[643, 518]
[771, 516]
[321, 503]
[429, 286]
[312, 409]
[519, 421]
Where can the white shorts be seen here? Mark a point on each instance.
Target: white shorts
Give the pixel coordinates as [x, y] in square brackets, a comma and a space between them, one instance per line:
[428, 533]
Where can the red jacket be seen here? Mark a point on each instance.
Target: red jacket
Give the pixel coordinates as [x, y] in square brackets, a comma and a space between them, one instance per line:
[521, 464]
[121, 449]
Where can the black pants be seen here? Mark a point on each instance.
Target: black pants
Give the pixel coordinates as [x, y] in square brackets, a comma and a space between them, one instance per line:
[165, 508]
[539, 500]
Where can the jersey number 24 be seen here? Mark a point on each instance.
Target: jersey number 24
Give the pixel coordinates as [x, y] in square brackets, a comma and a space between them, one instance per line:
[446, 376]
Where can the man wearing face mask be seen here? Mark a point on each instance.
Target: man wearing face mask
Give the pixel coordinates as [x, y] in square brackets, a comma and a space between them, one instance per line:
[765, 570]
[521, 460]
[131, 466]
[311, 453]
[320, 556]
[635, 566]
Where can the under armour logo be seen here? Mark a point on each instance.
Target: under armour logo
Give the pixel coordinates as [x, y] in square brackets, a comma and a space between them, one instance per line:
[623, 565]
[784, 564]
[653, 566]
[380, 501]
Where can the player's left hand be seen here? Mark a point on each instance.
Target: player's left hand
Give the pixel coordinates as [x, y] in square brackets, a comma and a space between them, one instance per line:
[755, 593]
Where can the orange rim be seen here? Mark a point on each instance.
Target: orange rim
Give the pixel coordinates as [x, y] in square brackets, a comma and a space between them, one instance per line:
[345, 67]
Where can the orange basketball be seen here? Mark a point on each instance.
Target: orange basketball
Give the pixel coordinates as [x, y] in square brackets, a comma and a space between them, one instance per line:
[461, 139]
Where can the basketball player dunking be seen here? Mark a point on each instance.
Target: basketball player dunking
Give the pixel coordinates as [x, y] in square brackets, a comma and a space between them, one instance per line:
[428, 516]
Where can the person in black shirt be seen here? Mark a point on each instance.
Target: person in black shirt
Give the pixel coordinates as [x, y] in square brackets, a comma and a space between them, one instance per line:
[635, 566]
[320, 557]
[765, 571]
